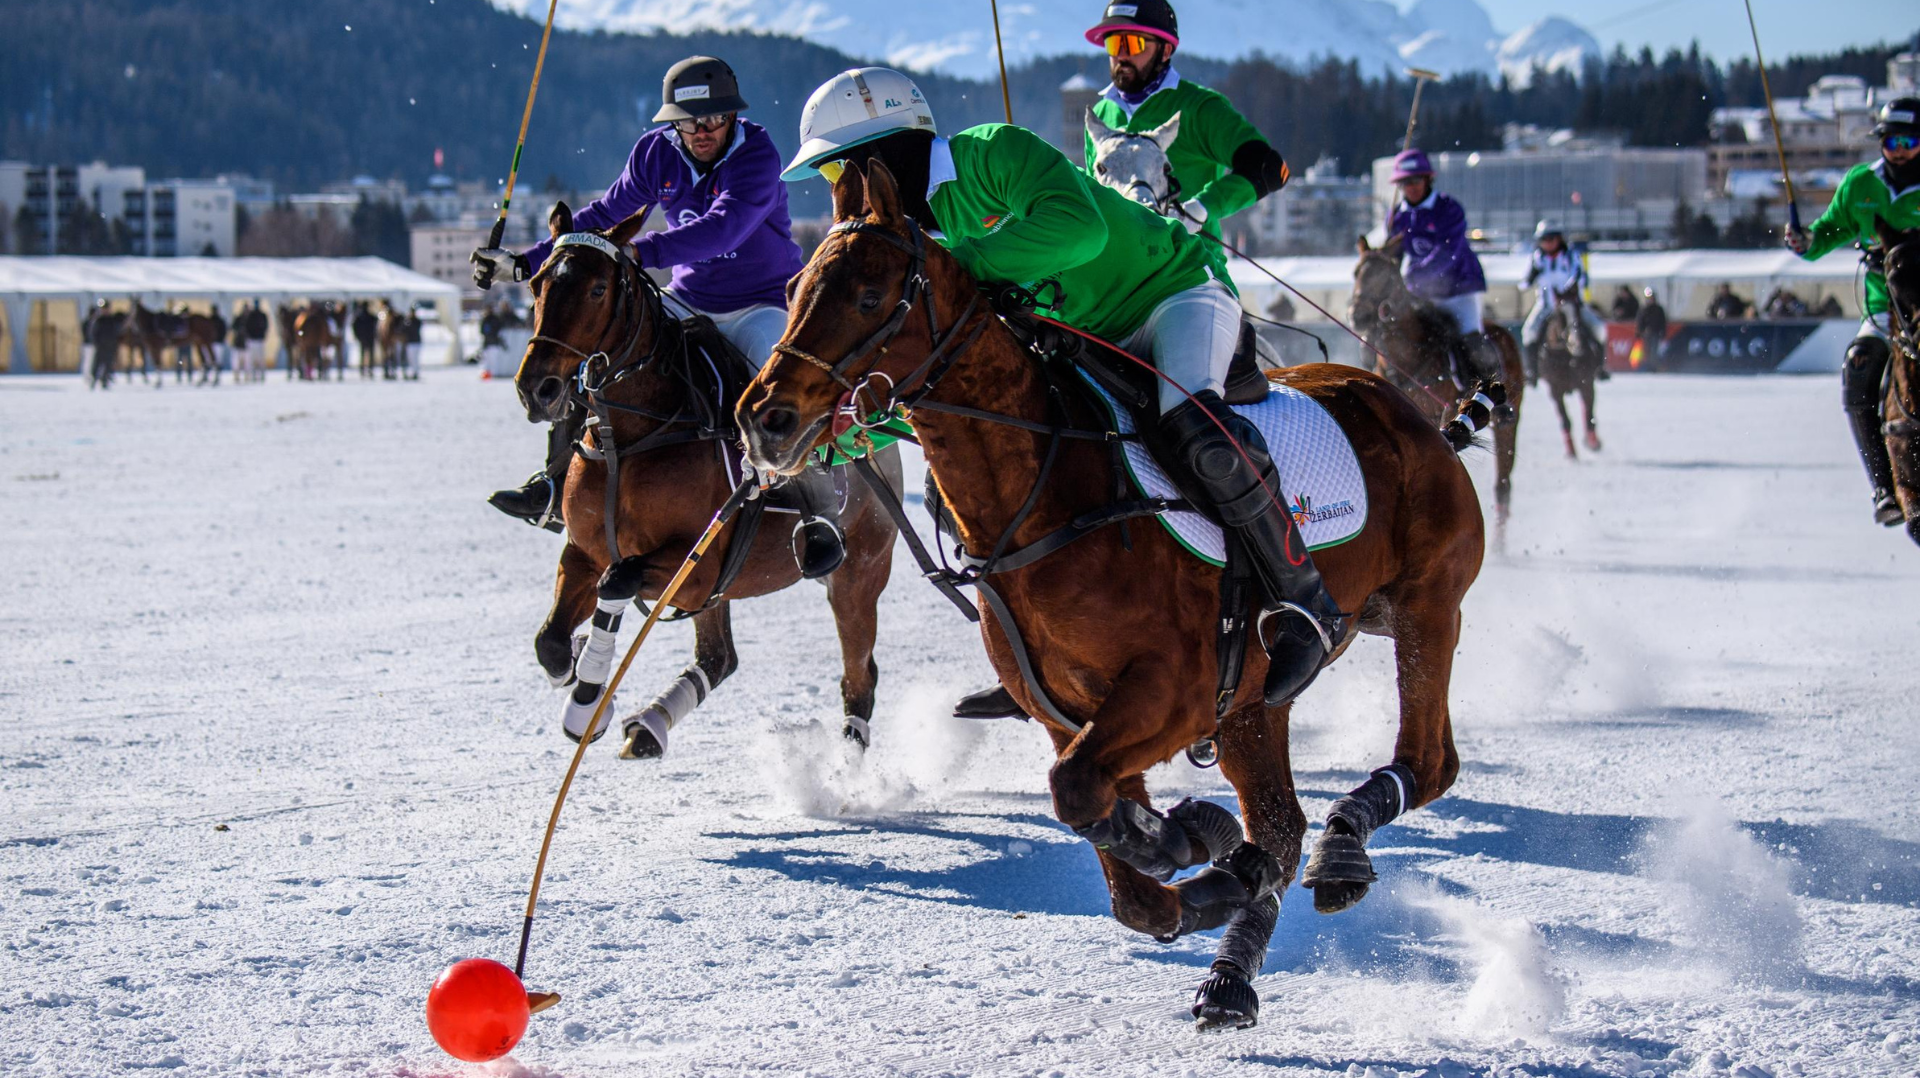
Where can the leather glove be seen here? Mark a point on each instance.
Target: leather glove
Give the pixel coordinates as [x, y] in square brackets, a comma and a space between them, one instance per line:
[489, 262]
[1193, 214]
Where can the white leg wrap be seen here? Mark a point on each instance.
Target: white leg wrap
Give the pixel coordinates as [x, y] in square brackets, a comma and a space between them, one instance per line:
[676, 703]
[596, 661]
[575, 716]
[681, 697]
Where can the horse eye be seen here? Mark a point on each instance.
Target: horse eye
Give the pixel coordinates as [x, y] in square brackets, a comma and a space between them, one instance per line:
[1102, 166]
[599, 290]
[869, 300]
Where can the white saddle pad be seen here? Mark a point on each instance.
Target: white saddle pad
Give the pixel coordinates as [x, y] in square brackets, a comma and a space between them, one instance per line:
[1319, 475]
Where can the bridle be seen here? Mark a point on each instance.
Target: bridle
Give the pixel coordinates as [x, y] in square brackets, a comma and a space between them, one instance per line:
[601, 371]
[1159, 205]
[945, 347]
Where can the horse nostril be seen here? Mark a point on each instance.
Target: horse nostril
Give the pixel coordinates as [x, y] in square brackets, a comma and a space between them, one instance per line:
[548, 390]
[779, 421]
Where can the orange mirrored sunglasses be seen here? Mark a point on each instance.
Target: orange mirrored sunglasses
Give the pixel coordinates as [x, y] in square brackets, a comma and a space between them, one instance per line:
[1127, 44]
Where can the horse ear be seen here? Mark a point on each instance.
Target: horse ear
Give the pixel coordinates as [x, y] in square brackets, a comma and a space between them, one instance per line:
[560, 220]
[624, 232]
[1394, 244]
[1164, 135]
[1097, 127]
[849, 194]
[1890, 237]
[883, 194]
[1363, 246]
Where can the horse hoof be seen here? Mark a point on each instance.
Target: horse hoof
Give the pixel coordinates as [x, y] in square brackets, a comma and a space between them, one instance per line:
[1593, 441]
[1338, 873]
[646, 736]
[1225, 1001]
[858, 731]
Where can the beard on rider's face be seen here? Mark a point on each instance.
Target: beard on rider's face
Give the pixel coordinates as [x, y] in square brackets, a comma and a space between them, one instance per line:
[1131, 73]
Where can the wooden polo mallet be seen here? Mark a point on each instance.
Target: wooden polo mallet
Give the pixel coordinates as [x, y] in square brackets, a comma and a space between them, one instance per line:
[1420, 76]
[540, 1001]
[506, 199]
[1779, 146]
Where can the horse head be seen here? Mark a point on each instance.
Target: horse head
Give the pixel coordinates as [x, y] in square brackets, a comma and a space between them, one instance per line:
[859, 324]
[1379, 291]
[1135, 164]
[590, 303]
[1902, 260]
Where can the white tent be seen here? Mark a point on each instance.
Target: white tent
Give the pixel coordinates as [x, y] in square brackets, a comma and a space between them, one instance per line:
[225, 282]
[1683, 279]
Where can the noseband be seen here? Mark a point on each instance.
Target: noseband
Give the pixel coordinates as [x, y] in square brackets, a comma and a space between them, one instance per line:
[944, 348]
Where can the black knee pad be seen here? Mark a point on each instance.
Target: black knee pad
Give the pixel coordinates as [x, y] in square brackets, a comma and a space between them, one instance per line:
[1865, 370]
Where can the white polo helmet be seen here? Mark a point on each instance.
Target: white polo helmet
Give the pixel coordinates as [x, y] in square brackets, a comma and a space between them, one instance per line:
[854, 107]
[1548, 227]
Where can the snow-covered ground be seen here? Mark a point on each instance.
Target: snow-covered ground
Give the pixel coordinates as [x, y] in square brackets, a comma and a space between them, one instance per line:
[274, 751]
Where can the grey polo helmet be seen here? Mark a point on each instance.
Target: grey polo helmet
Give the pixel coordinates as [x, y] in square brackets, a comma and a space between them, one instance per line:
[698, 86]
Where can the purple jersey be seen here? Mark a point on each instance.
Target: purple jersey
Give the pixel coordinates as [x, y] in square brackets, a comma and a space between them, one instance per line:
[1438, 263]
[728, 237]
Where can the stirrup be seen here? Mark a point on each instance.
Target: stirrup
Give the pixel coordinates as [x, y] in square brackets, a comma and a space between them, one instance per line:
[819, 547]
[547, 516]
[1260, 626]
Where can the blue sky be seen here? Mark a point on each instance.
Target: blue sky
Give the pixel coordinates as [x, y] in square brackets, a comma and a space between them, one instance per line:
[1786, 26]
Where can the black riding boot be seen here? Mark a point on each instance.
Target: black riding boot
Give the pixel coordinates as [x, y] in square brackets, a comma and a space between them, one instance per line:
[818, 546]
[1245, 490]
[538, 502]
[1861, 382]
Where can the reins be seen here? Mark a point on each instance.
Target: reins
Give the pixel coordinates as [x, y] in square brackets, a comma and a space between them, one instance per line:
[638, 299]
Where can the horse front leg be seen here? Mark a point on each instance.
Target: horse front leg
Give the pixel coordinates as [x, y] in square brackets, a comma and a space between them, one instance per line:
[1566, 422]
[853, 591]
[1426, 630]
[714, 660]
[1586, 409]
[1098, 790]
[575, 590]
[1254, 758]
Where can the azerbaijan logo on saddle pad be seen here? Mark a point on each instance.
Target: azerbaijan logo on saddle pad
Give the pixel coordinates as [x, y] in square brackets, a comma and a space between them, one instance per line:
[1317, 466]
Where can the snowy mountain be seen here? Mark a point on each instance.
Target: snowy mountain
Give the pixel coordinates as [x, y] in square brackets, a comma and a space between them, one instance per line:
[1448, 36]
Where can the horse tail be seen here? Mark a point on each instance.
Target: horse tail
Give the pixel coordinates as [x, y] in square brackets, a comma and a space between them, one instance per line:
[1475, 415]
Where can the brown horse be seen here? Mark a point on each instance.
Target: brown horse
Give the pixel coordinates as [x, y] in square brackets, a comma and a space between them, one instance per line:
[312, 336]
[655, 390]
[1119, 637]
[193, 337]
[392, 332]
[1417, 339]
[1901, 408]
[1570, 359]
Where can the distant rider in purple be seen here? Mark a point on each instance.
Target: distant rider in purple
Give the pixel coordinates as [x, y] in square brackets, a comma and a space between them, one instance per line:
[1439, 265]
[715, 180]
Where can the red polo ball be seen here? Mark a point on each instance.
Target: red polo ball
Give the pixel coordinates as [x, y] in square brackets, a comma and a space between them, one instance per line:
[477, 1010]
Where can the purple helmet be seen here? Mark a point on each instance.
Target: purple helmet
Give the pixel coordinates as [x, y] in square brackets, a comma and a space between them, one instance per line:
[1410, 163]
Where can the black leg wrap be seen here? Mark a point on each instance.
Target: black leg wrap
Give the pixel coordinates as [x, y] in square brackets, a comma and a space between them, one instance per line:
[623, 578]
[1244, 944]
[1144, 839]
[1214, 826]
[1210, 898]
[1376, 802]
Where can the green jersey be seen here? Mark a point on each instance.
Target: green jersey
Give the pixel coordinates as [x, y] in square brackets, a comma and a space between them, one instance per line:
[1011, 207]
[1211, 129]
[1864, 195]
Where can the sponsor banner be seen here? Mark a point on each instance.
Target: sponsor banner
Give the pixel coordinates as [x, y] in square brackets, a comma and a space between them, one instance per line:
[1709, 347]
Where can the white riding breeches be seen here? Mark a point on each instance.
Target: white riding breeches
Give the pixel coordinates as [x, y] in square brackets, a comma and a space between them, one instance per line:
[1536, 323]
[754, 330]
[1874, 325]
[1464, 310]
[1190, 336]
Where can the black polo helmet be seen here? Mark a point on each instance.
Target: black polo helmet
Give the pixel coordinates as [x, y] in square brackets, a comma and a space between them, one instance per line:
[1154, 17]
[698, 86]
[1901, 116]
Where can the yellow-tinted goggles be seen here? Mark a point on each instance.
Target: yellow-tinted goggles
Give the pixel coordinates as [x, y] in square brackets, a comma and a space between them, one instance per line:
[832, 170]
[1127, 44]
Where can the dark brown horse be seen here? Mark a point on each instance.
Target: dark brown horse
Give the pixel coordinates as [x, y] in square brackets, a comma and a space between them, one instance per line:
[192, 336]
[585, 303]
[1417, 339]
[1570, 359]
[1121, 639]
[1901, 408]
